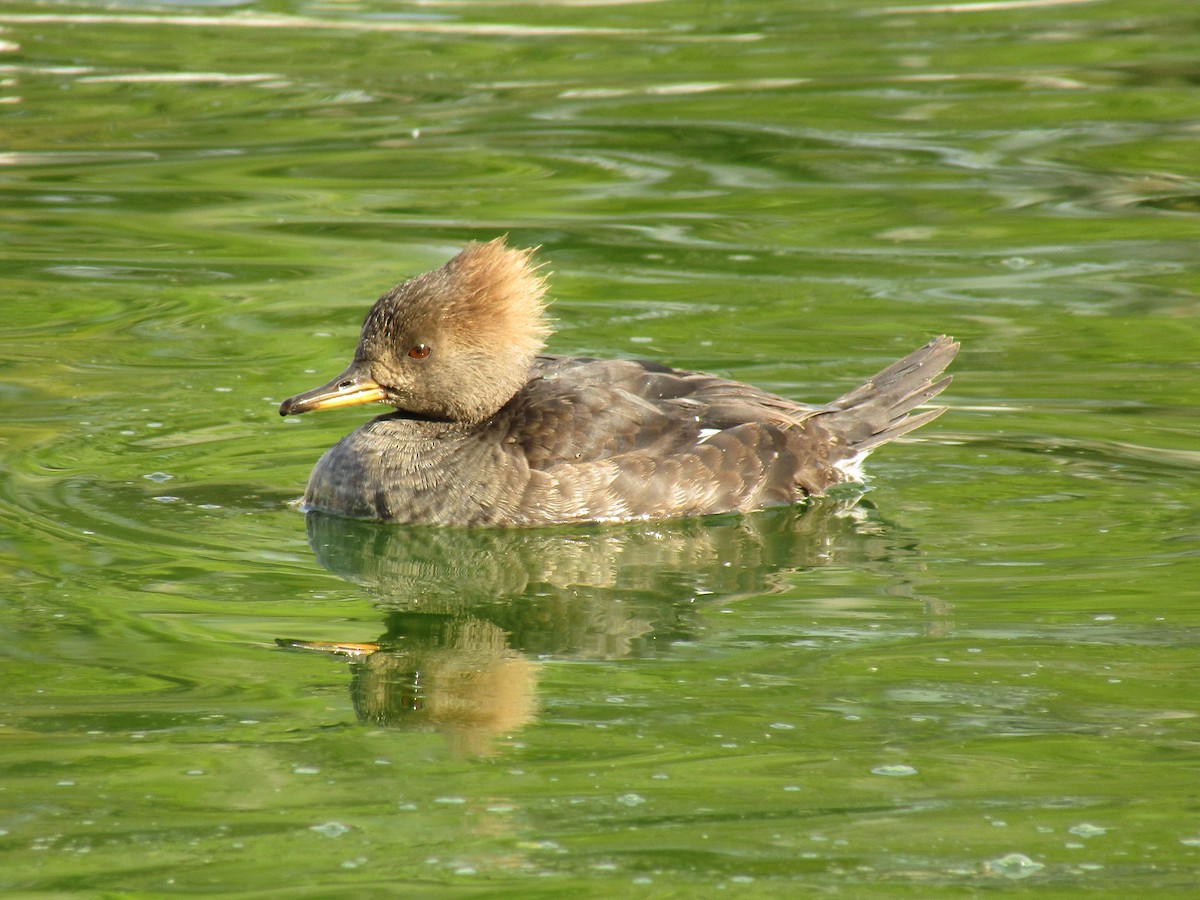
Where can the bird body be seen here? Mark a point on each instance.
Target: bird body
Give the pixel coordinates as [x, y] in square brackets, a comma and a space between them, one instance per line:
[487, 431]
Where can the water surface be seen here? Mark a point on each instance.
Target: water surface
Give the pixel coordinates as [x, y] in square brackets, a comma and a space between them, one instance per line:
[981, 674]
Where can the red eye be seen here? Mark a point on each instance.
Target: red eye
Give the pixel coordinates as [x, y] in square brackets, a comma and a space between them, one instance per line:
[419, 352]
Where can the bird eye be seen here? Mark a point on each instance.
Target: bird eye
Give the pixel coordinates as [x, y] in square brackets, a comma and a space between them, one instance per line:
[420, 351]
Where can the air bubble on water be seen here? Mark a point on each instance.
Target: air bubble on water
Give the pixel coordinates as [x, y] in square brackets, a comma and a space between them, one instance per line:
[1014, 865]
[894, 770]
[330, 829]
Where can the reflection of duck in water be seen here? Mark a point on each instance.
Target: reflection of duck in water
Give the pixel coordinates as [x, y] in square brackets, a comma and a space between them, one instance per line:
[453, 674]
[487, 432]
[471, 615]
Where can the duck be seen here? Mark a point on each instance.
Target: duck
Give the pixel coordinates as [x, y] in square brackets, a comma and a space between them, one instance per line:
[487, 430]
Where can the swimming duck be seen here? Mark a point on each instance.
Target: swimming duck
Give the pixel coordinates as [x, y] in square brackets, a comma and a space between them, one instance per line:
[488, 431]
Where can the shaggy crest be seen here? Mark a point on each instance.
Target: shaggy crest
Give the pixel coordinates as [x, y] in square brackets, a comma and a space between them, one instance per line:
[489, 296]
[499, 296]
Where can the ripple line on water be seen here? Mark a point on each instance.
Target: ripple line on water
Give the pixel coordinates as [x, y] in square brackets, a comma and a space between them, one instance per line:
[306, 22]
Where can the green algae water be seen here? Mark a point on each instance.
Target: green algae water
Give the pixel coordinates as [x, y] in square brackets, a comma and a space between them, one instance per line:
[979, 675]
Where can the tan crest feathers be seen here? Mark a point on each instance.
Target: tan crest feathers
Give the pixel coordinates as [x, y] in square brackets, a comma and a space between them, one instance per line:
[497, 296]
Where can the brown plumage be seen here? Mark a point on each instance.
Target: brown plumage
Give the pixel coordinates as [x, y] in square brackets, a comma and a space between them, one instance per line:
[488, 432]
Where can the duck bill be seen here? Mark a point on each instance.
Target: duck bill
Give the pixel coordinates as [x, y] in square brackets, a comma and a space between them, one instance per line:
[348, 389]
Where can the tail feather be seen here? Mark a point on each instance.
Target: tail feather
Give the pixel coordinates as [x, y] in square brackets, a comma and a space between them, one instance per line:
[877, 411]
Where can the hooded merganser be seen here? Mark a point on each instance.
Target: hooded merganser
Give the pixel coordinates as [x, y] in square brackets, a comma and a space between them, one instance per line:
[486, 431]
